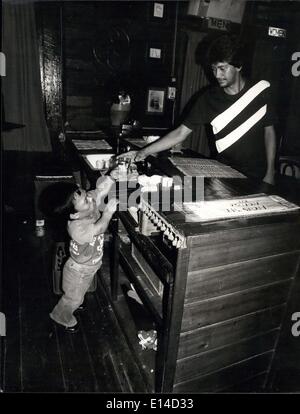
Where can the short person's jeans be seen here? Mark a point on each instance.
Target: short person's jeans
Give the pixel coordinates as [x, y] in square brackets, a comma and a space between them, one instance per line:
[76, 281]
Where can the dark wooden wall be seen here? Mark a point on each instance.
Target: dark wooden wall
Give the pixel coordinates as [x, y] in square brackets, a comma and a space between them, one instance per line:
[48, 19]
[80, 73]
[86, 59]
[271, 60]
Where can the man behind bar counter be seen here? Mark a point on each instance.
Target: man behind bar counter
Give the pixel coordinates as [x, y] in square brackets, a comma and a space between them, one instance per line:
[239, 112]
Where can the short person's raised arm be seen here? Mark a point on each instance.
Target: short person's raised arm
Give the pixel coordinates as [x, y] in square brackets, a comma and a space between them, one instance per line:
[101, 225]
[103, 186]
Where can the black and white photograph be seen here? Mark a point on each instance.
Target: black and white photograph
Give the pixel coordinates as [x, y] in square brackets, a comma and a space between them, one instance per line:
[150, 188]
[155, 100]
[158, 10]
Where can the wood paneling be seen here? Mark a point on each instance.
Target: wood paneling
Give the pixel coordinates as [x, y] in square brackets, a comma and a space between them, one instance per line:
[222, 357]
[237, 286]
[172, 321]
[48, 17]
[70, 32]
[206, 312]
[220, 248]
[216, 281]
[227, 377]
[252, 385]
[155, 282]
[143, 287]
[80, 80]
[224, 333]
[150, 251]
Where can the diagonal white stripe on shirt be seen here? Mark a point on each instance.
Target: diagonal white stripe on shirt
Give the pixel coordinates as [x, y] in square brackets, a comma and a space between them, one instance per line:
[220, 121]
[223, 143]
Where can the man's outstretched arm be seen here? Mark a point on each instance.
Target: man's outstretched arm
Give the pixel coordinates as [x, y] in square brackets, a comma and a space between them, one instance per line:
[270, 144]
[173, 138]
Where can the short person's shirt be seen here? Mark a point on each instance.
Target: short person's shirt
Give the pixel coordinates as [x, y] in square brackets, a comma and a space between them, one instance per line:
[86, 247]
[237, 123]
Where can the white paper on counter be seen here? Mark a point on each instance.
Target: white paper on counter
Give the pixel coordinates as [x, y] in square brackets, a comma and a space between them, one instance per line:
[235, 208]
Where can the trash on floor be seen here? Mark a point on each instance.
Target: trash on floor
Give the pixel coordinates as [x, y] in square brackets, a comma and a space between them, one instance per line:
[148, 339]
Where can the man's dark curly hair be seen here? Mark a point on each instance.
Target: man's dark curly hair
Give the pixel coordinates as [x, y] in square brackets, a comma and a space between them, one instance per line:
[226, 48]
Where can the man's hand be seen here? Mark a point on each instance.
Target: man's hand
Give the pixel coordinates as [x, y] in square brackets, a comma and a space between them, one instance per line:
[133, 155]
[269, 178]
[130, 155]
[140, 156]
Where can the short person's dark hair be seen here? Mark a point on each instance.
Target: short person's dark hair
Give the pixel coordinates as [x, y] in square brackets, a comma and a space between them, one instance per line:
[226, 48]
[57, 199]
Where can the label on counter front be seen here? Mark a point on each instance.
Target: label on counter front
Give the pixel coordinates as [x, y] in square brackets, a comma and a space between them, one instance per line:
[234, 208]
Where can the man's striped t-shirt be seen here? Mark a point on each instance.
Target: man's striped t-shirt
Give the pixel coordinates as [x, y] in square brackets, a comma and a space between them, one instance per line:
[237, 123]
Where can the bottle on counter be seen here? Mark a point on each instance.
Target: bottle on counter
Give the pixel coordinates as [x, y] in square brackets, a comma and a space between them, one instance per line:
[120, 109]
[40, 228]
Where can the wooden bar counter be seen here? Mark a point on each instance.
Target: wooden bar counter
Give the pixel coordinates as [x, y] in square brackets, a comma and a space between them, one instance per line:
[217, 299]
[215, 292]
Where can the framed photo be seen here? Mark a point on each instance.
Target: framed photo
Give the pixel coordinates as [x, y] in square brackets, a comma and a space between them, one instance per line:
[158, 10]
[155, 101]
[155, 53]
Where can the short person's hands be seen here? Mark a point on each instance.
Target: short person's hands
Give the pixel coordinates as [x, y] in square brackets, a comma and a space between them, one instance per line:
[129, 155]
[104, 183]
[111, 206]
[133, 155]
[121, 173]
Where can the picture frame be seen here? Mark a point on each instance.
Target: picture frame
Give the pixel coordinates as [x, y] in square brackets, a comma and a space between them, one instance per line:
[155, 53]
[155, 101]
[158, 10]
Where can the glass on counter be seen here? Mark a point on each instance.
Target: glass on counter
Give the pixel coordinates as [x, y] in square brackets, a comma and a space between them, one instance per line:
[99, 161]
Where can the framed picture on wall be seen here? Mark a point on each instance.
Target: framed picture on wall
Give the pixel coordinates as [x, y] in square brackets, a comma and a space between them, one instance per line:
[158, 11]
[155, 53]
[155, 101]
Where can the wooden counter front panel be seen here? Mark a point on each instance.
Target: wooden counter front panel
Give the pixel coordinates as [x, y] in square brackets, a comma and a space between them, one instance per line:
[214, 360]
[237, 287]
[229, 332]
[222, 308]
[222, 280]
[236, 245]
[224, 378]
